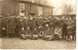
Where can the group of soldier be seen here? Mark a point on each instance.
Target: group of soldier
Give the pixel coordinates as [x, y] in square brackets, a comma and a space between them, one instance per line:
[47, 28]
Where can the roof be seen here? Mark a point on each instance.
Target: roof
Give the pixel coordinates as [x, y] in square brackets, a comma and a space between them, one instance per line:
[34, 3]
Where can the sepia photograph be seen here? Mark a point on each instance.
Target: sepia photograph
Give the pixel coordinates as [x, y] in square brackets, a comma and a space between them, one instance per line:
[38, 24]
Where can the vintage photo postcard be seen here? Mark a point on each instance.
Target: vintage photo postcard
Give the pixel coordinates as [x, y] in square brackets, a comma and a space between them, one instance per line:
[38, 24]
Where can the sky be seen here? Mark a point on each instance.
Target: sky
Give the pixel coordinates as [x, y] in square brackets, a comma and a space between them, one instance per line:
[58, 5]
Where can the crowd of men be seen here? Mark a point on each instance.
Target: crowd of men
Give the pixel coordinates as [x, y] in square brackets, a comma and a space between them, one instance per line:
[47, 28]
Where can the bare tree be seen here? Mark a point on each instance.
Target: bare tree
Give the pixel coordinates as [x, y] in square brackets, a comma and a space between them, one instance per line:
[67, 9]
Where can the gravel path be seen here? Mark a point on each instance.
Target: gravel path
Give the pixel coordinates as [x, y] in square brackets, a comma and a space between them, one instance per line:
[35, 44]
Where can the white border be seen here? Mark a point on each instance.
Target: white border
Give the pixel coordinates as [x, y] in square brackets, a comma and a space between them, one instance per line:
[76, 24]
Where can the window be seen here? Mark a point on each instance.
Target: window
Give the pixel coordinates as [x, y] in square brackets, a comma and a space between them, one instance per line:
[40, 11]
[22, 9]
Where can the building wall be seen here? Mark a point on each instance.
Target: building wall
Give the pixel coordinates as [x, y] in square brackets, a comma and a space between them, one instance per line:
[9, 7]
[13, 7]
[1, 8]
[30, 8]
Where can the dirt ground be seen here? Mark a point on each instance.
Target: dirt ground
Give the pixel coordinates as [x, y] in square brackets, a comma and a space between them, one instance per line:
[16, 43]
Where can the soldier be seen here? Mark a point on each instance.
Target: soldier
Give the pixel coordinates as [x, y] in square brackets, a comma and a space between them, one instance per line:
[71, 35]
[4, 27]
[64, 34]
